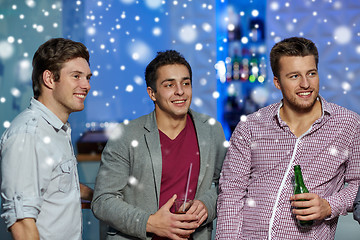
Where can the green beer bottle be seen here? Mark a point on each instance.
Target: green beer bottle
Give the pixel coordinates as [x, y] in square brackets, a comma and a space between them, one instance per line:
[300, 188]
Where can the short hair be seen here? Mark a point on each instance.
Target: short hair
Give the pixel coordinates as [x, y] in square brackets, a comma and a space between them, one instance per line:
[167, 57]
[294, 46]
[51, 56]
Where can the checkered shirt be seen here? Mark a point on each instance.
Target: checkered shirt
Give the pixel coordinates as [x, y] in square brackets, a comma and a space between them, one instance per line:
[256, 182]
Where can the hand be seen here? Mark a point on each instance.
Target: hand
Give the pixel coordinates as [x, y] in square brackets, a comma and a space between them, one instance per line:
[86, 193]
[198, 208]
[163, 223]
[316, 208]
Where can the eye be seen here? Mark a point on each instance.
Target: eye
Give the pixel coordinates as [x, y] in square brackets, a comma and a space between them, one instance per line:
[169, 85]
[312, 74]
[294, 76]
[77, 76]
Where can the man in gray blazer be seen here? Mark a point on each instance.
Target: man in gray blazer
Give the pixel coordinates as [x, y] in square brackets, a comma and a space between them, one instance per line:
[151, 161]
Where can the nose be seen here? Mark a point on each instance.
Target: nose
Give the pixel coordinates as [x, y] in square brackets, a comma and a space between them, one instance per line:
[179, 89]
[304, 83]
[85, 84]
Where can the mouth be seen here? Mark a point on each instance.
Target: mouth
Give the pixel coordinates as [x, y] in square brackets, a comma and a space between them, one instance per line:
[80, 95]
[304, 93]
[179, 101]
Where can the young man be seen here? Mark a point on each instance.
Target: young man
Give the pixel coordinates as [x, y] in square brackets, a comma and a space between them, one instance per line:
[146, 163]
[256, 199]
[40, 185]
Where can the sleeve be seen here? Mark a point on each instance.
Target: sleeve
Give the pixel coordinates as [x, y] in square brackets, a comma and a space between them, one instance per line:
[357, 206]
[342, 202]
[210, 197]
[233, 183]
[108, 202]
[21, 180]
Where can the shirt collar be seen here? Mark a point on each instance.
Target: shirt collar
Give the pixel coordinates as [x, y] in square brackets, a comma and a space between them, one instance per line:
[326, 109]
[48, 115]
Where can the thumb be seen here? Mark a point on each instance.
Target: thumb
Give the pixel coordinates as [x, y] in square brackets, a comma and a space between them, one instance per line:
[170, 202]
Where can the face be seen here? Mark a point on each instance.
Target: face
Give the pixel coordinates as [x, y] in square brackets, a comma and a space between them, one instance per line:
[70, 91]
[298, 82]
[174, 92]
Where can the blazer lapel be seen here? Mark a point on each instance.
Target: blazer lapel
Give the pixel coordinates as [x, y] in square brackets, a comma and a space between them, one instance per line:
[152, 140]
[203, 138]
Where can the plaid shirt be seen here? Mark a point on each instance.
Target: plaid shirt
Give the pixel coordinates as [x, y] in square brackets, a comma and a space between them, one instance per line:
[256, 180]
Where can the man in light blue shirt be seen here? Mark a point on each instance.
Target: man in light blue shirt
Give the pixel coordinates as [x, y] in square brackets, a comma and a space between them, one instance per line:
[40, 186]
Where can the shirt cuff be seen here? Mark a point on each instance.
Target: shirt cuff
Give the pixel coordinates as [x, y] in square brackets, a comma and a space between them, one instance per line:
[20, 208]
[336, 209]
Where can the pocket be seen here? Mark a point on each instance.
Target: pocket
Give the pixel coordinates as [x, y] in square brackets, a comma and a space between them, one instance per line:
[66, 176]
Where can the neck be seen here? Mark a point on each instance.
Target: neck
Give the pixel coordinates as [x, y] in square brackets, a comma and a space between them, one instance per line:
[54, 107]
[300, 122]
[171, 126]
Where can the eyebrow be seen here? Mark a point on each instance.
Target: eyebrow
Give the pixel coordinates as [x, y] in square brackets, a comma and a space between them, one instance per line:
[297, 72]
[173, 79]
[80, 72]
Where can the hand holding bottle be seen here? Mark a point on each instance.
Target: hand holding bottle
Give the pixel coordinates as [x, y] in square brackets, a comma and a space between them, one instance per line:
[308, 206]
[314, 208]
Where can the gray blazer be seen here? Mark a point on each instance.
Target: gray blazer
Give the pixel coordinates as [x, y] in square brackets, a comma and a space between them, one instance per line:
[127, 187]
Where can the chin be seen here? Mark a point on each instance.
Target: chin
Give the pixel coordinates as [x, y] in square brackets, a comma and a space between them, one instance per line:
[78, 109]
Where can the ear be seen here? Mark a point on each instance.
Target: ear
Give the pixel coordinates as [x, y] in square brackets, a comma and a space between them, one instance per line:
[48, 79]
[151, 93]
[277, 83]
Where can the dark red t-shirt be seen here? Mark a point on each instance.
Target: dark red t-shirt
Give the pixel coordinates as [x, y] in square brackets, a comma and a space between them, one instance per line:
[177, 155]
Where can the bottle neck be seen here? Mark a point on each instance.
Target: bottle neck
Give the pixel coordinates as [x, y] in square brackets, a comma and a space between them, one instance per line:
[298, 175]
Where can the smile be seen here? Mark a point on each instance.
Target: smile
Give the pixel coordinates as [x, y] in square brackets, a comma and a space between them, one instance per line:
[80, 95]
[179, 101]
[304, 93]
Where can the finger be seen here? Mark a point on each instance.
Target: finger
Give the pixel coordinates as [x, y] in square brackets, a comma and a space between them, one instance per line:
[170, 202]
[190, 226]
[301, 204]
[306, 217]
[202, 219]
[194, 207]
[185, 217]
[203, 213]
[302, 212]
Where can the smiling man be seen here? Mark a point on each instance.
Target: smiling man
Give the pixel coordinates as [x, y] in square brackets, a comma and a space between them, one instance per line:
[147, 162]
[256, 199]
[40, 185]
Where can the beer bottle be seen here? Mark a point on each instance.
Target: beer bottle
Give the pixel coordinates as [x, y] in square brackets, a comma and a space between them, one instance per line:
[300, 188]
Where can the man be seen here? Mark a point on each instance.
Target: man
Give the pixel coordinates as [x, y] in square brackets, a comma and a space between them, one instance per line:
[147, 162]
[256, 199]
[40, 185]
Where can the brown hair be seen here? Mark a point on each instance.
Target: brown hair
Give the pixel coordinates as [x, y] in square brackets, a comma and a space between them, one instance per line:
[295, 46]
[51, 56]
[163, 58]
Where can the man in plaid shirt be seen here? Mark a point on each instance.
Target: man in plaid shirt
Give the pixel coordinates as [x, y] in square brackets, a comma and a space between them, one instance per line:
[256, 199]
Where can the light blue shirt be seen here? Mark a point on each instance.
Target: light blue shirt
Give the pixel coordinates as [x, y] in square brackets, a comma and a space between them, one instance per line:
[39, 174]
